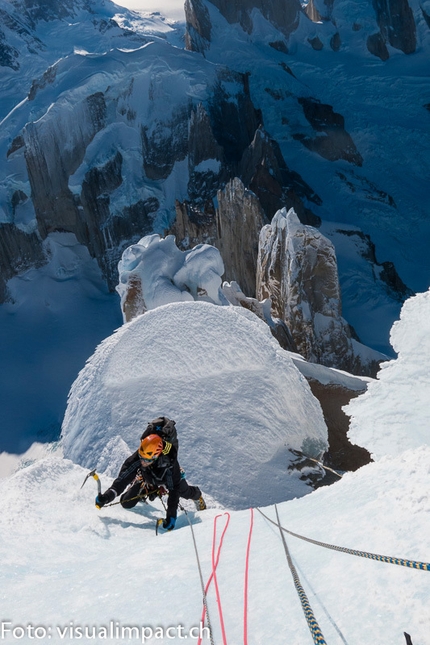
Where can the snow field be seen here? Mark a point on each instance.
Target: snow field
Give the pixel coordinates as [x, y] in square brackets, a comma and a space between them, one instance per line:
[69, 563]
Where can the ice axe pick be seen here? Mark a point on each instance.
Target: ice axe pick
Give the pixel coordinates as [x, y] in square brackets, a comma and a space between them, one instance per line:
[93, 474]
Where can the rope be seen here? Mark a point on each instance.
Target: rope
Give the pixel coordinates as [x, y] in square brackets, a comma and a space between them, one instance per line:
[411, 564]
[212, 573]
[307, 609]
[215, 579]
[205, 601]
[245, 592]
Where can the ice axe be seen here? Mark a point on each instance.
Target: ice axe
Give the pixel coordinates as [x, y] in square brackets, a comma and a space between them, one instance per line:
[93, 474]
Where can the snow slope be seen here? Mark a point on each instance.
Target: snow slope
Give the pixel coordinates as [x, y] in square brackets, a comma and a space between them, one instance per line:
[66, 565]
[56, 317]
[72, 573]
[173, 9]
[239, 402]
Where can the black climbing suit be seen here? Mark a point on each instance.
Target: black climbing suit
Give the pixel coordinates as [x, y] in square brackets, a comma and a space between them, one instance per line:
[165, 471]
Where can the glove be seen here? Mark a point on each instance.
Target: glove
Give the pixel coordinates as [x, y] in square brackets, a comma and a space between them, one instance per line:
[169, 523]
[105, 498]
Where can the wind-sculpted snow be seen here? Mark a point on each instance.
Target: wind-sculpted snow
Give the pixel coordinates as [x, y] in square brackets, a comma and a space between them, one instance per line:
[394, 414]
[155, 272]
[238, 400]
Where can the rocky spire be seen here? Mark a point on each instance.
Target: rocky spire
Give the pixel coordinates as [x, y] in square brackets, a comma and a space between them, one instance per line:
[297, 269]
[198, 26]
[239, 221]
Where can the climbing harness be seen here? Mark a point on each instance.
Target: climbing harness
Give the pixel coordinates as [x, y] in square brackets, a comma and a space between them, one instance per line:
[307, 609]
[412, 564]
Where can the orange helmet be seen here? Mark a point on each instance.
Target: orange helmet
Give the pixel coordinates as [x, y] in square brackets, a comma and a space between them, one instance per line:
[151, 448]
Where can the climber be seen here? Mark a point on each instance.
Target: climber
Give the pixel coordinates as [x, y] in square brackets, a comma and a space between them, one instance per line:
[152, 470]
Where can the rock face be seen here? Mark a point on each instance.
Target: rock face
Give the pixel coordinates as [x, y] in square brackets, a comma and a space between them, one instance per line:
[319, 10]
[198, 26]
[297, 270]
[342, 454]
[283, 15]
[264, 171]
[397, 26]
[333, 142]
[18, 252]
[194, 226]
[234, 227]
[394, 18]
[207, 163]
[262, 309]
[50, 163]
[104, 202]
[239, 221]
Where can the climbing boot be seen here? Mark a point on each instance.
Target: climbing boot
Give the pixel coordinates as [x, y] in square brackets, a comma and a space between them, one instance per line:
[200, 504]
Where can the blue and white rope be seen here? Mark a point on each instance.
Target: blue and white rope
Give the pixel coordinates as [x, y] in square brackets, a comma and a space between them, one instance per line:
[307, 609]
[411, 564]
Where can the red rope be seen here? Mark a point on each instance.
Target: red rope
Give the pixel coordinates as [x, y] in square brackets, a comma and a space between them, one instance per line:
[213, 576]
[215, 579]
[215, 561]
[245, 591]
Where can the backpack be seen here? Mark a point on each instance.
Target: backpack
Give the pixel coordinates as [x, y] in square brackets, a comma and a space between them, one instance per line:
[166, 429]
